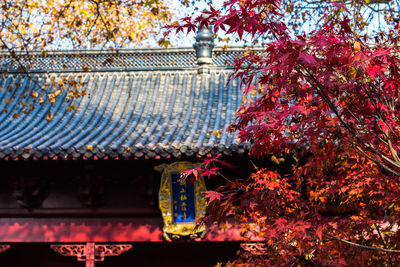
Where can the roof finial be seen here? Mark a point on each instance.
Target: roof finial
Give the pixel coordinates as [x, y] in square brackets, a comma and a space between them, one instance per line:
[204, 45]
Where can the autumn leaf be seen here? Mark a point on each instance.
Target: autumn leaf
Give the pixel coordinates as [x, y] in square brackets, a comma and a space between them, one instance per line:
[357, 46]
[352, 73]
[216, 133]
[307, 59]
[277, 160]
[383, 126]
[86, 68]
[213, 195]
[72, 107]
[209, 172]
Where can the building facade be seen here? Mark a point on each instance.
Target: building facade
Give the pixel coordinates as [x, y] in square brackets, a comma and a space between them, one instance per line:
[82, 176]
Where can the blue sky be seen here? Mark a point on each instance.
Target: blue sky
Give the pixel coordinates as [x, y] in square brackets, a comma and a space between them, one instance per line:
[183, 40]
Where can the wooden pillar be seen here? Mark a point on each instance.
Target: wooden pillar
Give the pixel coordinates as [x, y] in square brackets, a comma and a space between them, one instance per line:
[90, 254]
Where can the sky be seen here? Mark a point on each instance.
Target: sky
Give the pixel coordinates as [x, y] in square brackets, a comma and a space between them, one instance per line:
[187, 40]
[183, 40]
[180, 11]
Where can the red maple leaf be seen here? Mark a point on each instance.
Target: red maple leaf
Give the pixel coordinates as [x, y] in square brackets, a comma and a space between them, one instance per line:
[213, 195]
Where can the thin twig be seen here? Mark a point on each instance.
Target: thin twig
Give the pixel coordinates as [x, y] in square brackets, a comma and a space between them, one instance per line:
[362, 246]
[383, 241]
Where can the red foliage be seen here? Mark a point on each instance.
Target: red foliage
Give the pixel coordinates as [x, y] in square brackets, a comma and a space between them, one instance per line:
[331, 100]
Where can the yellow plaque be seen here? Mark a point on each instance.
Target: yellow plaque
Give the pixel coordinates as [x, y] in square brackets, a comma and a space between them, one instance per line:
[181, 202]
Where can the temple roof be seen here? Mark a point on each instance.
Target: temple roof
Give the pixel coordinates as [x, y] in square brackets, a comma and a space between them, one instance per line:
[120, 60]
[152, 103]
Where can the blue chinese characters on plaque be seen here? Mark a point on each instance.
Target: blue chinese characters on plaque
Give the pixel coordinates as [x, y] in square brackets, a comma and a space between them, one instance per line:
[183, 199]
[181, 202]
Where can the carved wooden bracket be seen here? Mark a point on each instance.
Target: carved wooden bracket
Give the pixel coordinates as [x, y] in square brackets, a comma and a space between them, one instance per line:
[255, 248]
[90, 252]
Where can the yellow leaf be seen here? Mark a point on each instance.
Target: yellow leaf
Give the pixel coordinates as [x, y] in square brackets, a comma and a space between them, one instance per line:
[49, 117]
[277, 160]
[216, 133]
[35, 94]
[90, 148]
[352, 73]
[357, 46]
[308, 256]
[242, 111]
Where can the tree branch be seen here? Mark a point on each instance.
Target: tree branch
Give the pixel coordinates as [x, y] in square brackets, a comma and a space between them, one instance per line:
[362, 246]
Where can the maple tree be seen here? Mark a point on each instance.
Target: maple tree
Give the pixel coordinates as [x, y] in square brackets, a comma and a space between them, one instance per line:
[329, 101]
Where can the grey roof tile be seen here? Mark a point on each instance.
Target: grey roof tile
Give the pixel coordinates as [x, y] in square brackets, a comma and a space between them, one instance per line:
[158, 112]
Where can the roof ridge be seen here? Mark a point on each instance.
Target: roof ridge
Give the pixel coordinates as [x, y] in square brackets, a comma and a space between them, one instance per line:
[122, 60]
[49, 53]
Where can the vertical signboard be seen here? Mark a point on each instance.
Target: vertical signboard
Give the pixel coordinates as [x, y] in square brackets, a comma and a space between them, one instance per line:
[183, 199]
[181, 202]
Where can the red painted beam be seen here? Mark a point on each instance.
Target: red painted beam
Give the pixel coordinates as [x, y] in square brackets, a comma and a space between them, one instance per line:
[78, 230]
[82, 230]
[133, 212]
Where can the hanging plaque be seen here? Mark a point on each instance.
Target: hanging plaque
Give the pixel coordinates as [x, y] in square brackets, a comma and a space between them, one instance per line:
[181, 201]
